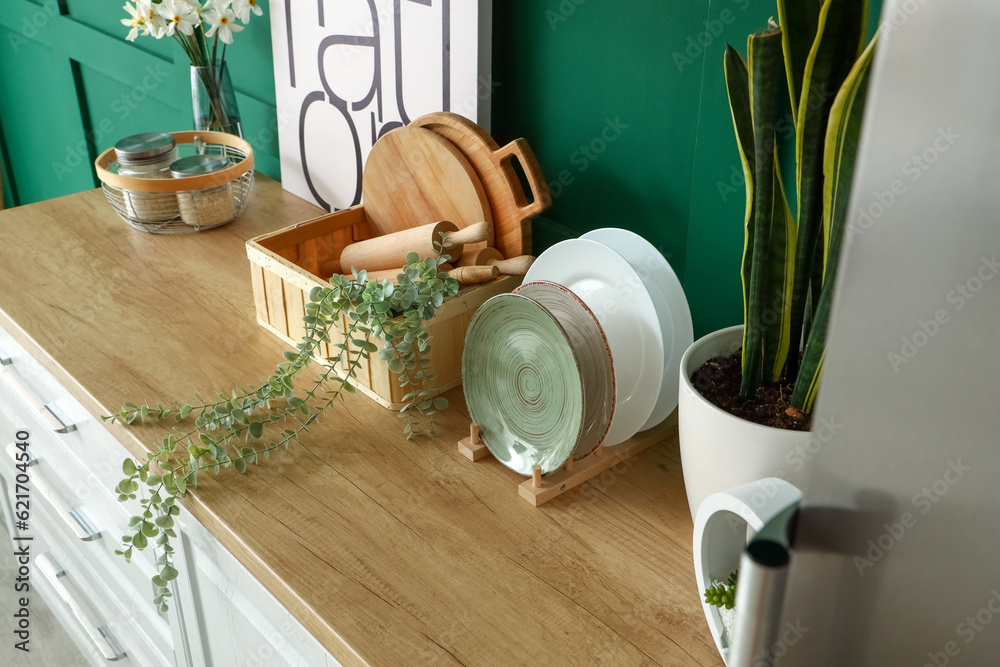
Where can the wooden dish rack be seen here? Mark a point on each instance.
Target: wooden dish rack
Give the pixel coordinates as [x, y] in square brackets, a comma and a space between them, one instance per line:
[543, 488]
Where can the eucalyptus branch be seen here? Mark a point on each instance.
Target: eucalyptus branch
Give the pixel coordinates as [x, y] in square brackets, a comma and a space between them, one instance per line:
[223, 431]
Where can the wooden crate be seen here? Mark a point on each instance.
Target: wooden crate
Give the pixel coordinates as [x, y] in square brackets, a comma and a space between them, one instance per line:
[287, 264]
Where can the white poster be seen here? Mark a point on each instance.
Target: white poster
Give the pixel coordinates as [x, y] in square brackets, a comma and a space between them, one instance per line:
[347, 71]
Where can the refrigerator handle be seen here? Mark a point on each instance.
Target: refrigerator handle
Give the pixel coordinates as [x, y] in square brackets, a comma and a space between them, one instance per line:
[760, 591]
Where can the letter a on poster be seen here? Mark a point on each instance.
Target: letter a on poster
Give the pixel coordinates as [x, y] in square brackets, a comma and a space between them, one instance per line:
[348, 71]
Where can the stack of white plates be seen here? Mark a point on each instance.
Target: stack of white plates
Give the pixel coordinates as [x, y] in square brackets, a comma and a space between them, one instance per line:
[623, 321]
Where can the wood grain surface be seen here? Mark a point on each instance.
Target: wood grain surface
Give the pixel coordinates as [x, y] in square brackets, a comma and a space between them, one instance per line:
[389, 251]
[389, 552]
[512, 208]
[413, 177]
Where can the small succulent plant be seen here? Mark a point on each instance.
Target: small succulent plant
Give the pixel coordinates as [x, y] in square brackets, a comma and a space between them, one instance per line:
[721, 595]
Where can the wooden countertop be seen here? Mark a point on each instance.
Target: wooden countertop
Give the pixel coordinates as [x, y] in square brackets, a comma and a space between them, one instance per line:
[389, 552]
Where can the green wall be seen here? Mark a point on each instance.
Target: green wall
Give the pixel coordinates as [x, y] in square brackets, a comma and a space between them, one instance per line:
[70, 86]
[566, 66]
[623, 102]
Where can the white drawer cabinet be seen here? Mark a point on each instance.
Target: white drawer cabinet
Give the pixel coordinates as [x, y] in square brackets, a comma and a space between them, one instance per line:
[233, 604]
[220, 616]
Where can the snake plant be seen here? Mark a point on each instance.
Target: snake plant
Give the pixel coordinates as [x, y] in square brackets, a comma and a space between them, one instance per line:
[818, 53]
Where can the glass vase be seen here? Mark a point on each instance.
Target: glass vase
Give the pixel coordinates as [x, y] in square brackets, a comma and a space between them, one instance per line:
[214, 101]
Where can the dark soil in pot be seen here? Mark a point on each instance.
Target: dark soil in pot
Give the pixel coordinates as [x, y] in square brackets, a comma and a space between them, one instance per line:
[718, 380]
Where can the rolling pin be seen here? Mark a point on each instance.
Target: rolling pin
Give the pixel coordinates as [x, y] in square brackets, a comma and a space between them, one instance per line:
[465, 275]
[468, 275]
[515, 266]
[392, 275]
[389, 251]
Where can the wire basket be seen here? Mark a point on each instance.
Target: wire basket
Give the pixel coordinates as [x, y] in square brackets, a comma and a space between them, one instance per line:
[188, 204]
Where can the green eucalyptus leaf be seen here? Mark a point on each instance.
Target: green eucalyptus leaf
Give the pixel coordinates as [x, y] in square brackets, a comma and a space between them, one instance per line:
[373, 312]
[139, 541]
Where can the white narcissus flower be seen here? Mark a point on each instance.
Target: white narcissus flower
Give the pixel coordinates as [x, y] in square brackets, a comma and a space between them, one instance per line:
[223, 21]
[179, 17]
[244, 7]
[193, 5]
[155, 23]
[217, 5]
[137, 22]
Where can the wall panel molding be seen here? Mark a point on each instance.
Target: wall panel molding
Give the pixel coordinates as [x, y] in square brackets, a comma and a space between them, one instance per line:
[69, 89]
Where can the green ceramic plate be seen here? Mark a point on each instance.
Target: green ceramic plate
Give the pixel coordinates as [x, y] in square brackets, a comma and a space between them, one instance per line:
[523, 384]
[591, 345]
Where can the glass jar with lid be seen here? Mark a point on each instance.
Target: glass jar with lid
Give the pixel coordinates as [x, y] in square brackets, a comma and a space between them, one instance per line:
[148, 155]
[209, 206]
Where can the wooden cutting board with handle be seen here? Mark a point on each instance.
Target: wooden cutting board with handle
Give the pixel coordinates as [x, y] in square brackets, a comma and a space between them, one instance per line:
[414, 177]
[512, 212]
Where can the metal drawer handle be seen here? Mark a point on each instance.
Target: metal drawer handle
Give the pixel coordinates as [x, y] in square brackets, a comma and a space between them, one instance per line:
[50, 413]
[77, 521]
[103, 640]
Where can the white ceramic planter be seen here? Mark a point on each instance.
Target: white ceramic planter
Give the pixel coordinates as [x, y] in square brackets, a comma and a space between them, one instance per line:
[720, 451]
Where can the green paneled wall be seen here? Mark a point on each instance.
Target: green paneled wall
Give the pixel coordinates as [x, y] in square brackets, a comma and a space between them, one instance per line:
[70, 86]
[38, 125]
[624, 103]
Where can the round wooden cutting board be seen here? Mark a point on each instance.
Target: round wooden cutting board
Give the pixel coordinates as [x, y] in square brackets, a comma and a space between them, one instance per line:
[512, 210]
[414, 177]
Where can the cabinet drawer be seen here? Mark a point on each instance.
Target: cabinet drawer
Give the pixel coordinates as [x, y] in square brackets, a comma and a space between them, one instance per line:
[81, 465]
[36, 390]
[231, 603]
[69, 597]
[31, 396]
[66, 473]
[128, 615]
[91, 531]
[61, 590]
